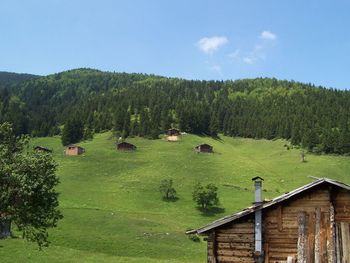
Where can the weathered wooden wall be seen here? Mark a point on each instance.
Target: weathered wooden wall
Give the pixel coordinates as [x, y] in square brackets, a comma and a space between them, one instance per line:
[341, 204]
[305, 219]
[313, 227]
[233, 243]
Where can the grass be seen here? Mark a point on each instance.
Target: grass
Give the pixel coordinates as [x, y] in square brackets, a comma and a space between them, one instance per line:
[113, 211]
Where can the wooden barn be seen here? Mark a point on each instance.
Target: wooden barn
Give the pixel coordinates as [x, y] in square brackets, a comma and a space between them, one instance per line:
[308, 225]
[204, 148]
[173, 132]
[125, 146]
[42, 149]
[74, 150]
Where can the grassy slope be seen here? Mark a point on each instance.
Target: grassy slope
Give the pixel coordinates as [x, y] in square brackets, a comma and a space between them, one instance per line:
[113, 210]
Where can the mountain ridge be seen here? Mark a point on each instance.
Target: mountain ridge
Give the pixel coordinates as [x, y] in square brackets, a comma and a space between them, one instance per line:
[134, 104]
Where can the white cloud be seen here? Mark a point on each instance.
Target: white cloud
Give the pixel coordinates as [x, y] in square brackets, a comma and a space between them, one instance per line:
[249, 60]
[235, 54]
[210, 44]
[258, 53]
[267, 35]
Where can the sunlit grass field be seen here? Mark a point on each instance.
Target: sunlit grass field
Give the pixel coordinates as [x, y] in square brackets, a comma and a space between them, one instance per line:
[113, 211]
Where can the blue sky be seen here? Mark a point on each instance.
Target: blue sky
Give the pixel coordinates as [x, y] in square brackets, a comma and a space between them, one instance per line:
[306, 41]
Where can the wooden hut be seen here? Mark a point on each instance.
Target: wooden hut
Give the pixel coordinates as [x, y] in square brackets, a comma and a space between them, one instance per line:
[173, 132]
[125, 146]
[42, 149]
[204, 148]
[310, 224]
[74, 150]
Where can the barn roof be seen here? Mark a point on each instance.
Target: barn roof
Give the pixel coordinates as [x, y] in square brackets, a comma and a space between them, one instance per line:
[74, 145]
[203, 144]
[277, 200]
[126, 143]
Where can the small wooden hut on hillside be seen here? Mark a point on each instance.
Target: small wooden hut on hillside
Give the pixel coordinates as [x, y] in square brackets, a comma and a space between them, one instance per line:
[204, 148]
[42, 149]
[74, 150]
[173, 132]
[308, 225]
[125, 146]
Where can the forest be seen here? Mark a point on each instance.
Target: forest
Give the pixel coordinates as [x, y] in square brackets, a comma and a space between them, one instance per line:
[89, 100]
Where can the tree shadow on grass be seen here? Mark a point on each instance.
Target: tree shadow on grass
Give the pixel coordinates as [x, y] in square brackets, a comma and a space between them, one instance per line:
[215, 137]
[170, 200]
[218, 138]
[212, 211]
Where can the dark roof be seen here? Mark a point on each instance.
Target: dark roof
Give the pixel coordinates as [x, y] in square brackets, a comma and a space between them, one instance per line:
[260, 206]
[204, 144]
[173, 129]
[73, 145]
[257, 178]
[42, 148]
[126, 143]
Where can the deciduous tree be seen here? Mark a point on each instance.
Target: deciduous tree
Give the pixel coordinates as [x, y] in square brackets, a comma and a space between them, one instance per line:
[27, 188]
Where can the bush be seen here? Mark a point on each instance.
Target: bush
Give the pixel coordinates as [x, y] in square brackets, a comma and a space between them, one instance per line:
[167, 189]
[205, 197]
[194, 237]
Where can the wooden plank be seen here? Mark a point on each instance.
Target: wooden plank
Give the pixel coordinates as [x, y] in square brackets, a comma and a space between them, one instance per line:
[317, 250]
[310, 238]
[236, 231]
[235, 259]
[235, 253]
[345, 233]
[338, 242]
[293, 241]
[279, 218]
[301, 237]
[331, 243]
[266, 249]
[242, 239]
[235, 245]
[211, 247]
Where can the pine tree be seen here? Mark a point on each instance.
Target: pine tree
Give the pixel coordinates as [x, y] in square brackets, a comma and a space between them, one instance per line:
[73, 131]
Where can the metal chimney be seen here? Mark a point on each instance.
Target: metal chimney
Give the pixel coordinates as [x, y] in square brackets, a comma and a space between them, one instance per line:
[258, 219]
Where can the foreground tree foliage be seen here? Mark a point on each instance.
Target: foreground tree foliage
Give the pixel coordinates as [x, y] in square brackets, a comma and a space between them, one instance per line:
[145, 105]
[27, 188]
[205, 197]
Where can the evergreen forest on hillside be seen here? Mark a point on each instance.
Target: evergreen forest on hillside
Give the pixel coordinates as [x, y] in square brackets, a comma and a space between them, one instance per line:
[316, 118]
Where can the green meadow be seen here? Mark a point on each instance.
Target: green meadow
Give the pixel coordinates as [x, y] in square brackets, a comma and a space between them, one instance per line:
[113, 211]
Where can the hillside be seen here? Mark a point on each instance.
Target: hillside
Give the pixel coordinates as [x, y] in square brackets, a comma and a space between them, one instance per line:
[145, 105]
[10, 78]
[113, 211]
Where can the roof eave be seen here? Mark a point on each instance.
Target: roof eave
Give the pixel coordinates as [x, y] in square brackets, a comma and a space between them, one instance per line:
[250, 210]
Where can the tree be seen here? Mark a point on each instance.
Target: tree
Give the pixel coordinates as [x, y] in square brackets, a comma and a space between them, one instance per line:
[27, 188]
[73, 131]
[88, 133]
[214, 126]
[302, 156]
[205, 197]
[167, 189]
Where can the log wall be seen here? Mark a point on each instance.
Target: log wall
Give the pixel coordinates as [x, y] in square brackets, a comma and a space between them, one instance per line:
[341, 204]
[233, 243]
[314, 227]
[298, 228]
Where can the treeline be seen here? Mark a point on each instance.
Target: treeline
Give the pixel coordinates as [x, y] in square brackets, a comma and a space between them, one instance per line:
[145, 105]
